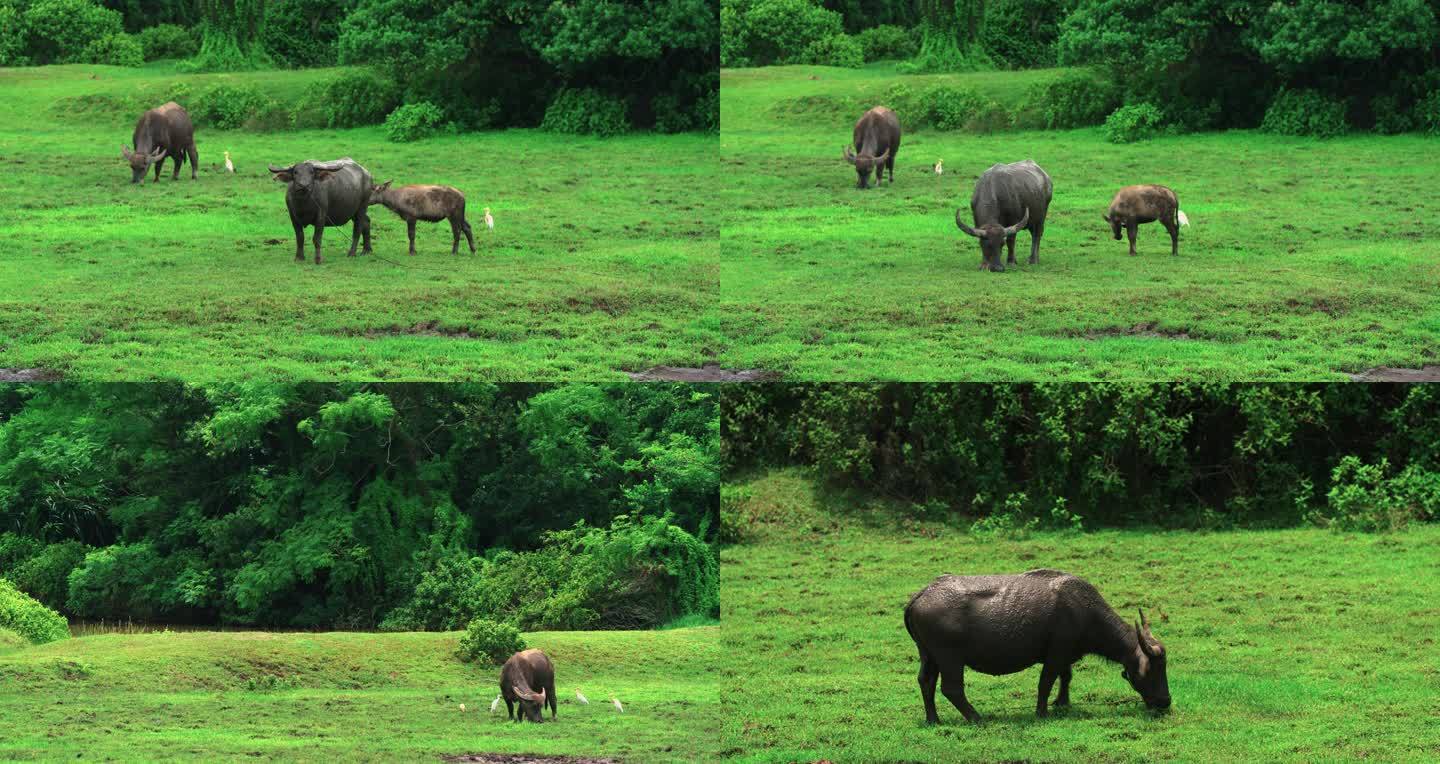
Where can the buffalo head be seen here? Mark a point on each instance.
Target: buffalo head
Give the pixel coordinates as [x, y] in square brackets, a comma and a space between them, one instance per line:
[992, 238]
[864, 164]
[302, 177]
[140, 161]
[1145, 669]
[1114, 225]
[531, 703]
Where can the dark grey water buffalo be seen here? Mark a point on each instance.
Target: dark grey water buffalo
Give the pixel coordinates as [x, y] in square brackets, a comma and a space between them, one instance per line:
[324, 194]
[1134, 205]
[1006, 624]
[528, 678]
[429, 203]
[877, 141]
[162, 132]
[1008, 198]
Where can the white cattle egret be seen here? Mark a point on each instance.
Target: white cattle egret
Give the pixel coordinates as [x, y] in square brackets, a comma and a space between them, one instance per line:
[494, 704]
[462, 708]
[1183, 220]
[938, 170]
[618, 707]
[581, 698]
[489, 221]
[228, 166]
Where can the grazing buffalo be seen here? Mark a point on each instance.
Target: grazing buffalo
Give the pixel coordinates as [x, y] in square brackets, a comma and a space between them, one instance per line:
[1008, 198]
[160, 133]
[1005, 624]
[429, 203]
[528, 678]
[877, 141]
[1134, 205]
[324, 194]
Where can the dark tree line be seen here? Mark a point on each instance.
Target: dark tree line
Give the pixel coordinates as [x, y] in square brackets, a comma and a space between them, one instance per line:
[1178, 455]
[324, 505]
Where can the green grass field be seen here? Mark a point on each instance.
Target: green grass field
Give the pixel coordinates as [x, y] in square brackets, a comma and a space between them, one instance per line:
[604, 257]
[1294, 645]
[350, 697]
[1306, 259]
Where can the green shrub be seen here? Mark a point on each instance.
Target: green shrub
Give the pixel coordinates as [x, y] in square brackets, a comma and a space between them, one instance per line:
[778, 31]
[1390, 117]
[14, 36]
[946, 107]
[1075, 100]
[734, 34]
[355, 98]
[46, 576]
[1305, 112]
[303, 33]
[118, 49]
[273, 116]
[1021, 34]
[24, 615]
[585, 112]
[60, 31]
[15, 549]
[887, 42]
[835, 50]
[225, 106]
[1132, 123]
[1427, 114]
[11, 640]
[1363, 497]
[735, 520]
[168, 41]
[492, 641]
[414, 121]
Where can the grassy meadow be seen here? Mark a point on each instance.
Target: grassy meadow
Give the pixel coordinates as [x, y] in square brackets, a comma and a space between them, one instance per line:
[1305, 259]
[350, 697]
[1288, 645]
[603, 258]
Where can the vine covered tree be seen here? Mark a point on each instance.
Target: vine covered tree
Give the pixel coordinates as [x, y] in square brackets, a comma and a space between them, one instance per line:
[232, 35]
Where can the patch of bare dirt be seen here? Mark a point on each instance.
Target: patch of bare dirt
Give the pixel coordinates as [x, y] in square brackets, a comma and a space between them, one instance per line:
[710, 372]
[1142, 329]
[28, 375]
[1394, 374]
[525, 758]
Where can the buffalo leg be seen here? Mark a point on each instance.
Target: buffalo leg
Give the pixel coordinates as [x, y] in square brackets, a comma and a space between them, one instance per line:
[509, 709]
[890, 165]
[468, 235]
[550, 698]
[929, 673]
[1063, 699]
[365, 232]
[410, 229]
[299, 241]
[355, 235]
[194, 159]
[455, 237]
[1036, 231]
[1010, 242]
[179, 160]
[159, 166]
[1172, 228]
[319, 233]
[952, 686]
[1048, 675]
[1130, 229]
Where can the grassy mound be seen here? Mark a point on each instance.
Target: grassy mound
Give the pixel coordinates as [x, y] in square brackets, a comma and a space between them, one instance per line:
[1283, 645]
[349, 695]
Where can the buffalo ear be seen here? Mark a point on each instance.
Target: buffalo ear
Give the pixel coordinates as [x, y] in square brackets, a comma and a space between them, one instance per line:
[323, 174]
[284, 176]
[1106, 218]
[386, 184]
[125, 152]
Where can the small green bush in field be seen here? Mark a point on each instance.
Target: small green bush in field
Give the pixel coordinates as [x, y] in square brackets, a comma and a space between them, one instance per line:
[354, 99]
[226, 106]
[1305, 112]
[46, 576]
[489, 640]
[414, 121]
[1132, 123]
[887, 42]
[946, 107]
[118, 49]
[167, 41]
[1363, 497]
[835, 50]
[24, 615]
[585, 111]
[1427, 114]
[1075, 100]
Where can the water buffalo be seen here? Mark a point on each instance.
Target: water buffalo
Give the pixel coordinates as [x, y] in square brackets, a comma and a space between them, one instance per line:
[1008, 198]
[429, 203]
[528, 678]
[1005, 624]
[877, 141]
[160, 133]
[1134, 205]
[324, 194]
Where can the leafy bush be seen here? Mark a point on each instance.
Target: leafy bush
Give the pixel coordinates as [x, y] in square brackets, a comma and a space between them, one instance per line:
[887, 42]
[273, 116]
[14, 36]
[734, 34]
[946, 107]
[1132, 123]
[225, 106]
[835, 50]
[1021, 34]
[16, 549]
[1074, 100]
[118, 49]
[355, 98]
[777, 31]
[1363, 497]
[734, 521]
[492, 641]
[25, 616]
[303, 33]
[585, 111]
[168, 41]
[1427, 114]
[60, 31]
[1305, 112]
[46, 576]
[414, 121]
